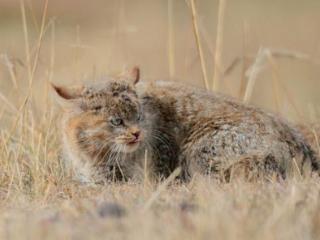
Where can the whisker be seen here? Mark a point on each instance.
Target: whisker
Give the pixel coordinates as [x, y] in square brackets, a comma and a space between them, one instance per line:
[120, 150]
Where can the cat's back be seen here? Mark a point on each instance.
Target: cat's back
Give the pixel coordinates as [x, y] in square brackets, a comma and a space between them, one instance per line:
[190, 101]
[233, 128]
[203, 106]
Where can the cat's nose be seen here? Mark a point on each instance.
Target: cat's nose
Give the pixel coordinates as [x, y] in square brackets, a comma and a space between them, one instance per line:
[136, 134]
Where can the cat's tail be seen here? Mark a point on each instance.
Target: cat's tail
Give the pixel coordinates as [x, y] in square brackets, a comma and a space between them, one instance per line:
[311, 133]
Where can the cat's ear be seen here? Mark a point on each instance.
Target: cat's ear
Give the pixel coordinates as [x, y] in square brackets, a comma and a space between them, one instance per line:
[67, 97]
[132, 75]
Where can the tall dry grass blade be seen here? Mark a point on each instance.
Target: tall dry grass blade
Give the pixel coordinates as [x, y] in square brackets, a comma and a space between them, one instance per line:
[219, 46]
[291, 100]
[275, 81]
[9, 64]
[36, 59]
[253, 72]
[51, 66]
[263, 55]
[8, 103]
[31, 69]
[203, 32]
[285, 53]
[297, 169]
[49, 121]
[282, 53]
[316, 138]
[26, 40]
[15, 122]
[231, 66]
[161, 188]
[245, 60]
[52, 50]
[76, 56]
[33, 15]
[171, 48]
[198, 43]
[37, 153]
[259, 63]
[145, 170]
[289, 54]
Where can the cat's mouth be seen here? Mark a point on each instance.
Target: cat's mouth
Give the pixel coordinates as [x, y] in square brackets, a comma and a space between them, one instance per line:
[130, 146]
[133, 142]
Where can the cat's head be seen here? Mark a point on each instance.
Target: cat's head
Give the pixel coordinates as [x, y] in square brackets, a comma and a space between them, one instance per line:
[105, 115]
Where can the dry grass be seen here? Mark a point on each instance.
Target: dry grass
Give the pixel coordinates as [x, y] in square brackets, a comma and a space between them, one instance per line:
[46, 41]
[198, 43]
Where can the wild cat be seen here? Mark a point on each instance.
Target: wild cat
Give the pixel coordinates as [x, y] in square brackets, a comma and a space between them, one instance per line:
[107, 135]
[218, 135]
[108, 127]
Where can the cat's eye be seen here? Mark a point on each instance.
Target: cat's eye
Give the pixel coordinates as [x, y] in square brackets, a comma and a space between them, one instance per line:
[116, 121]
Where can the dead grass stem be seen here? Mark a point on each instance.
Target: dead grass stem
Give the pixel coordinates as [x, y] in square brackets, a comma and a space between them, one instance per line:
[219, 46]
[198, 43]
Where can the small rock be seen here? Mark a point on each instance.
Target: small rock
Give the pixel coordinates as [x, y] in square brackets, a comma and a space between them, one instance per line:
[112, 210]
[188, 207]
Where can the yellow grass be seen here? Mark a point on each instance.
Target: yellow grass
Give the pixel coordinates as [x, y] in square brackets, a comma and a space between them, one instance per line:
[198, 44]
[219, 45]
[69, 41]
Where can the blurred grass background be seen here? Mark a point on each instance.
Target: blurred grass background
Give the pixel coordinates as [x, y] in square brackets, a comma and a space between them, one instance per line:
[82, 40]
[87, 39]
